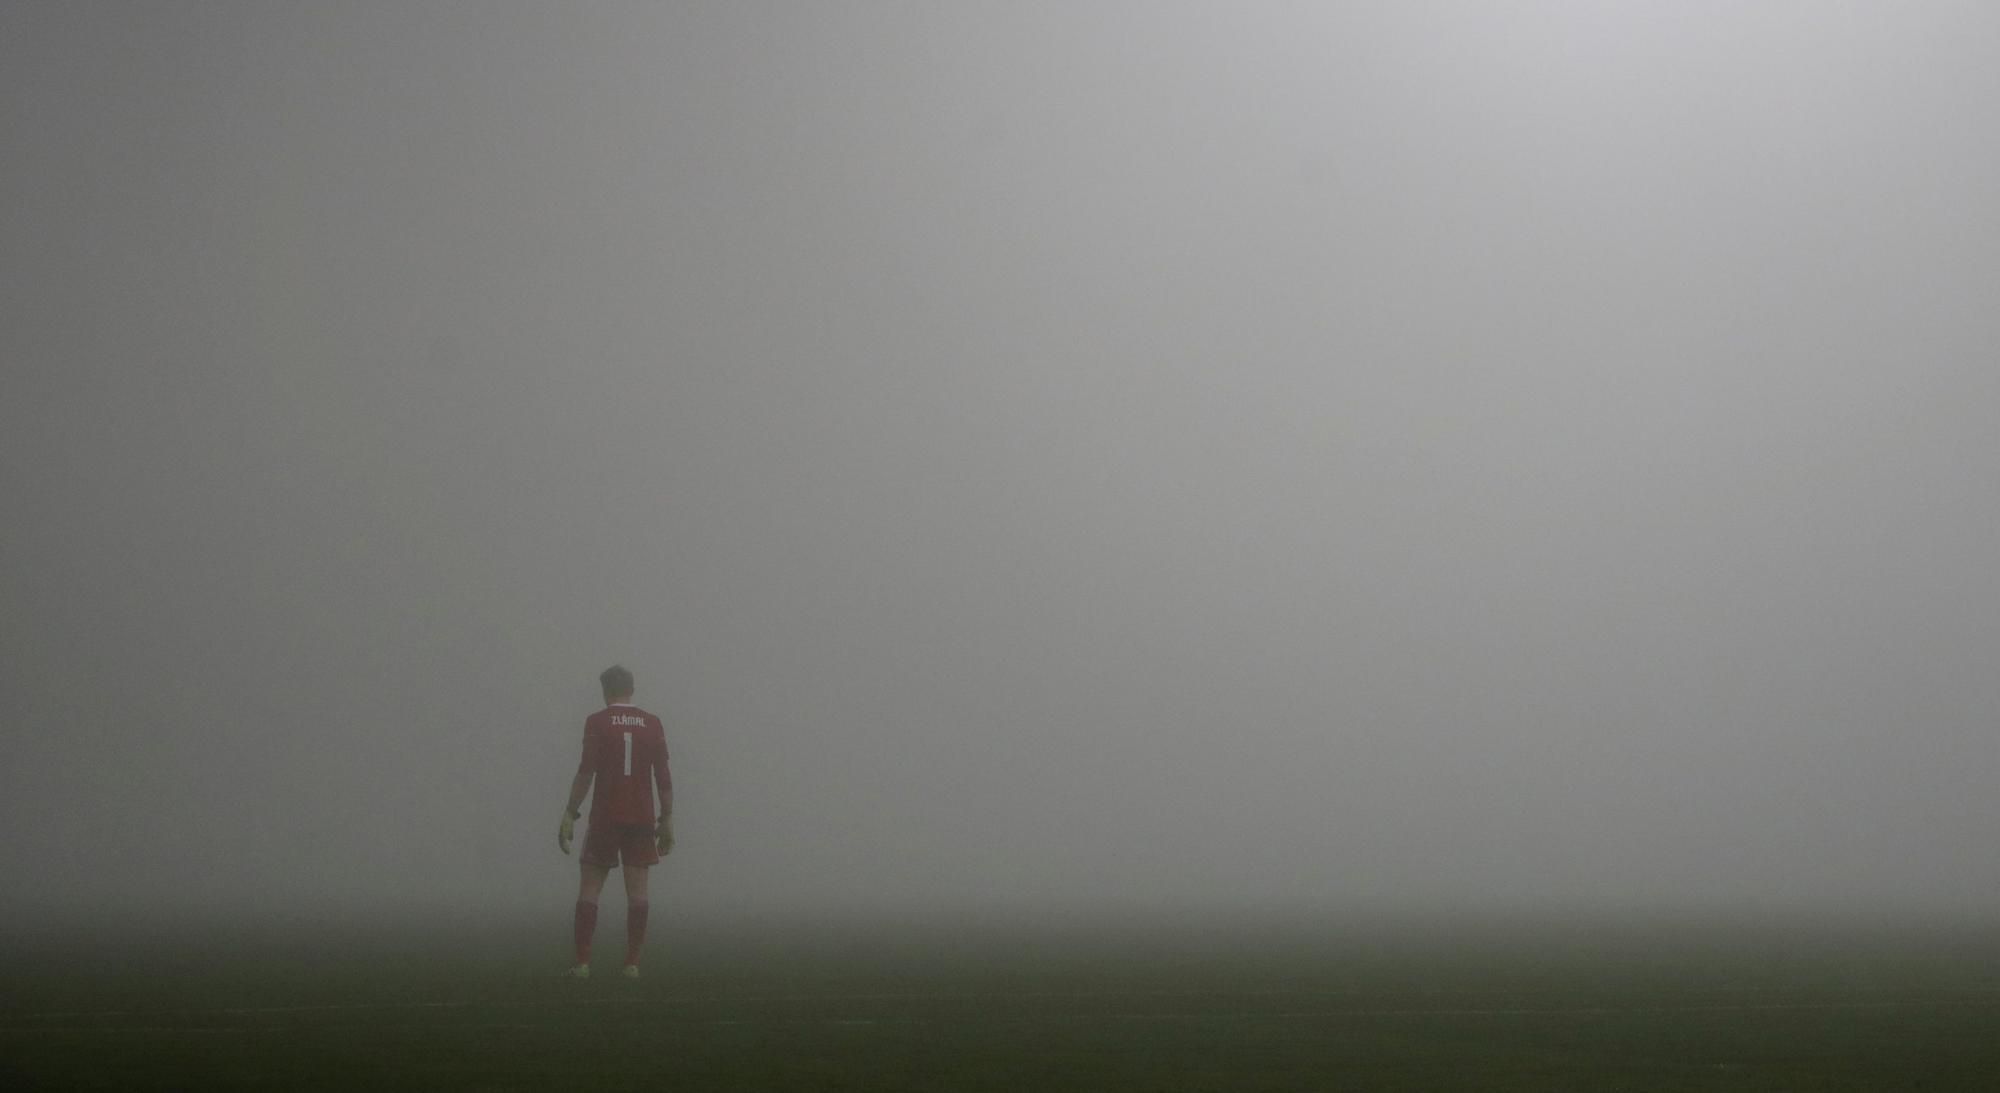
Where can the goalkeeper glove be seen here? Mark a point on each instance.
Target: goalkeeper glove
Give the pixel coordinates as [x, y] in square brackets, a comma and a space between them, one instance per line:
[666, 835]
[567, 831]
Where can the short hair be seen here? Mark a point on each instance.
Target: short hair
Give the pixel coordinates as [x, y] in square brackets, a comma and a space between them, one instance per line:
[616, 680]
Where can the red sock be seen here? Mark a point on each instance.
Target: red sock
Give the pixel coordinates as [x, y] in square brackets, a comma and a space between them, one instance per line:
[635, 929]
[586, 924]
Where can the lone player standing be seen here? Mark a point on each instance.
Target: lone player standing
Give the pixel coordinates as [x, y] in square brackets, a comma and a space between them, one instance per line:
[625, 754]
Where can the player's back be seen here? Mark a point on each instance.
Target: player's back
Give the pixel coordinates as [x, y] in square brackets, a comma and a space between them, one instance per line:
[622, 747]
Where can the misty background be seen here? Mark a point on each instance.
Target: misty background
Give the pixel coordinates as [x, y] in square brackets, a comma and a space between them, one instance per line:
[1194, 457]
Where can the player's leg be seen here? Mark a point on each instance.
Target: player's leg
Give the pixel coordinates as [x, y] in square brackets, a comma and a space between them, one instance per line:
[636, 908]
[590, 883]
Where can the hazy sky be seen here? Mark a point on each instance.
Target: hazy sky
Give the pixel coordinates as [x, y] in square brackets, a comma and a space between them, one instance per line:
[1203, 456]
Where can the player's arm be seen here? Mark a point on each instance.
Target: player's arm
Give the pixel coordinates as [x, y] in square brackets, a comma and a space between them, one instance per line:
[578, 786]
[663, 782]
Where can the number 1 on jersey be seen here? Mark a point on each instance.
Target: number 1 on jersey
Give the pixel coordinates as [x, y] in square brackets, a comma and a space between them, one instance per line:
[628, 751]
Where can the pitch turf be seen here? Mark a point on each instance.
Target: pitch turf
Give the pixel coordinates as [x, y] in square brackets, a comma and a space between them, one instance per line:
[1604, 1007]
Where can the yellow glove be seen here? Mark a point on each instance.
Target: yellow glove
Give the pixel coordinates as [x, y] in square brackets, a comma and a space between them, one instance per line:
[666, 835]
[567, 831]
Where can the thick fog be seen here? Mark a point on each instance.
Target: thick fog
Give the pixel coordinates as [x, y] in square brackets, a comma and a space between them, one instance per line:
[1188, 456]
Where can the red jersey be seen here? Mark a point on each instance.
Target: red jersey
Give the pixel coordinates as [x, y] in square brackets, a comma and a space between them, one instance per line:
[625, 753]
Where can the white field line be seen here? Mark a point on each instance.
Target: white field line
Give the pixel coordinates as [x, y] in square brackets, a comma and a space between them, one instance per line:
[1974, 998]
[1241, 1015]
[1280, 992]
[1323, 1014]
[255, 1011]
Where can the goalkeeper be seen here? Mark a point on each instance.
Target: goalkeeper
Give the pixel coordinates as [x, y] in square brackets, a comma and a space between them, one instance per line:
[625, 757]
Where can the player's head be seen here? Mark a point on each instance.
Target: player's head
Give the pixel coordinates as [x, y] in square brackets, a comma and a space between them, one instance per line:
[617, 683]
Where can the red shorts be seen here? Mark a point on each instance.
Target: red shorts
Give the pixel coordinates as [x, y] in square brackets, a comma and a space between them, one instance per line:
[605, 844]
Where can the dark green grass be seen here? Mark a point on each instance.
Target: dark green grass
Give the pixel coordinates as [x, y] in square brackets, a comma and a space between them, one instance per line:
[958, 1007]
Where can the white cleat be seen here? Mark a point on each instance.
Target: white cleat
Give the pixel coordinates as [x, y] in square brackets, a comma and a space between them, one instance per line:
[581, 971]
[631, 971]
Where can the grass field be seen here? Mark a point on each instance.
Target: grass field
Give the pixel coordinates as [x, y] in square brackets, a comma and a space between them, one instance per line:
[962, 1007]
